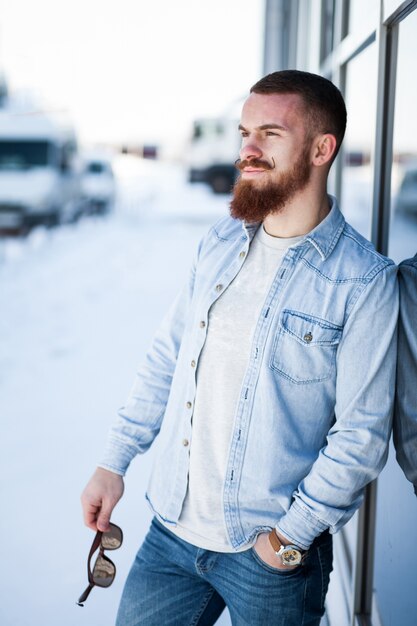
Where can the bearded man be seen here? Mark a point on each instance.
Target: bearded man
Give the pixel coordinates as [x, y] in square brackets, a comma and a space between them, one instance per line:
[270, 384]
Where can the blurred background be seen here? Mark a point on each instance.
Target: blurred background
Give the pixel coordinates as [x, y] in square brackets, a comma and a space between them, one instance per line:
[82, 83]
[107, 112]
[118, 134]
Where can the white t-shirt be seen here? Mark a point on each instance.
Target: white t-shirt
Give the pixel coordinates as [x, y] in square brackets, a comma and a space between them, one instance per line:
[221, 369]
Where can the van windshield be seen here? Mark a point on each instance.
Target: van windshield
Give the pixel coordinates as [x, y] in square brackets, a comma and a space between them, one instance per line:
[21, 155]
[95, 167]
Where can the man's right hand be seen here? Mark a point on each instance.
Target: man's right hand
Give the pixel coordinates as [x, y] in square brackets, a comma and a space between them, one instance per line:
[102, 493]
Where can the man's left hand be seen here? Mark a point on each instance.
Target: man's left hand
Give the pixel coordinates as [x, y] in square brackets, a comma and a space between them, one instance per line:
[265, 551]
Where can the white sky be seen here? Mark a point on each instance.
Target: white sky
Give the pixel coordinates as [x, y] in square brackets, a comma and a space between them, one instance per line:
[132, 70]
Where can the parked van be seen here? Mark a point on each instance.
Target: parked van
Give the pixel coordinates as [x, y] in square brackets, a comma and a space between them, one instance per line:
[213, 150]
[406, 199]
[98, 183]
[40, 173]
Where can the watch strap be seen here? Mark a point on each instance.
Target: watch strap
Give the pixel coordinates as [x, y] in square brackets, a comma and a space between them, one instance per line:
[275, 542]
[277, 545]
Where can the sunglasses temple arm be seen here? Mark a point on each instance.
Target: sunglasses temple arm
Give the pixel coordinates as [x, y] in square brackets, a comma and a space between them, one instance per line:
[96, 543]
[83, 597]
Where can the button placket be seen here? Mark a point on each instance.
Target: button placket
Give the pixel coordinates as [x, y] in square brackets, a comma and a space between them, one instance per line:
[240, 437]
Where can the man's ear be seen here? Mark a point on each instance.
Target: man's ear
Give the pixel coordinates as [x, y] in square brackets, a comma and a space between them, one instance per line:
[324, 147]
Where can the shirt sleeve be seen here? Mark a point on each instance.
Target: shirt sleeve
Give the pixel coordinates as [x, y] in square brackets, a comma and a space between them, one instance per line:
[140, 419]
[405, 413]
[357, 444]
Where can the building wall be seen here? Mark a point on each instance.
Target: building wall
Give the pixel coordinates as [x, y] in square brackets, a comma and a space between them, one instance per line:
[369, 49]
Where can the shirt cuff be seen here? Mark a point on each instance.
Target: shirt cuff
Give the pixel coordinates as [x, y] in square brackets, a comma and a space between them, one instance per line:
[112, 469]
[117, 456]
[300, 526]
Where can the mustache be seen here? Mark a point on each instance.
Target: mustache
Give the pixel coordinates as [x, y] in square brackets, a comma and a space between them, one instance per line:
[262, 165]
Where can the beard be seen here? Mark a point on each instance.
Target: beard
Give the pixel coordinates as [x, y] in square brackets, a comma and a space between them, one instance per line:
[252, 203]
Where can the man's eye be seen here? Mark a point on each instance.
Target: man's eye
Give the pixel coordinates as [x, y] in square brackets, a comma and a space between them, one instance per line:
[270, 133]
[243, 133]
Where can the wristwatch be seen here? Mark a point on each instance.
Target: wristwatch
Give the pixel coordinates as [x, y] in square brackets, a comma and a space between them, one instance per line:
[289, 554]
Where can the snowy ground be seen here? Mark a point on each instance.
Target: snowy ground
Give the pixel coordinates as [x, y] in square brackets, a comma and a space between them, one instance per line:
[79, 305]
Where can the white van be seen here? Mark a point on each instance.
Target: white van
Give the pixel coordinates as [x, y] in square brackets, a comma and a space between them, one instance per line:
[213, 149]
[40, 174]
[98, 182]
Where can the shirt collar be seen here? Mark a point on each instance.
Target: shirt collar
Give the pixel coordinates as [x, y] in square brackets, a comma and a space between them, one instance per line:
[250, 229]
[323, 237]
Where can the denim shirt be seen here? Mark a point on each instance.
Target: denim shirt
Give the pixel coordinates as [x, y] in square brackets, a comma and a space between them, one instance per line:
[405, 415]
[313, 419]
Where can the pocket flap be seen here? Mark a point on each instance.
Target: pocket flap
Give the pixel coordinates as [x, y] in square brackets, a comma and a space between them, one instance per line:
[310, 330]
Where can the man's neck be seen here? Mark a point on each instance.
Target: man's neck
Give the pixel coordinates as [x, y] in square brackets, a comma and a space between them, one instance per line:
[299, 216]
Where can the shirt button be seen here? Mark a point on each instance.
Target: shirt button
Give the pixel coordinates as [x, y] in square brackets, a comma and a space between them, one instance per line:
[193, 363]
[219, 287]
[242, 254]
[308, 337]
[202, 324]
[185, 442]
[189, 405]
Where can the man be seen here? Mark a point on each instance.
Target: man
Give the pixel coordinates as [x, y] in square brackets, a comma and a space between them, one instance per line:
[270, 384]
[405, 416]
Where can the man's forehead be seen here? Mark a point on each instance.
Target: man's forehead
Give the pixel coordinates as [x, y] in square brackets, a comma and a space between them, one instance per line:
[275, 107]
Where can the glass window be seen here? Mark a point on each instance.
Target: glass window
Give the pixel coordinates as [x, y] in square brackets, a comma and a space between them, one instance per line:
[357, 184]
[395, 576]
[357, 171]
[207, 128]
[17, 154]
[403, 231]
[327, 39]
[363, 18]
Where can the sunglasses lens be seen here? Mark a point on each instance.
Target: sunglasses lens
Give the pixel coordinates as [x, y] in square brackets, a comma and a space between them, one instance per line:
[112, 539]
[104, 572]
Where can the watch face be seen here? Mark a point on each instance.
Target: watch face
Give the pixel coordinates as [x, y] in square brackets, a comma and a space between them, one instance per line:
[291, 556]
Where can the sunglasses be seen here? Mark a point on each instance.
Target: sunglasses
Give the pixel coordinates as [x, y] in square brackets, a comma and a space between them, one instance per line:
[104, 570]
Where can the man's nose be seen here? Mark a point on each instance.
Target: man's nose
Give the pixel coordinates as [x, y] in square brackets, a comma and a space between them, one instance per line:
[250, 151]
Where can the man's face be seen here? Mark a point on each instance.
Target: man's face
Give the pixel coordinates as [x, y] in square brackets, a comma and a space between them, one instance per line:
[274, 158]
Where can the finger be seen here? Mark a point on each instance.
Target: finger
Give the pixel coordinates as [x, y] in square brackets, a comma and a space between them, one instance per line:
[103, 520]
[91, 512]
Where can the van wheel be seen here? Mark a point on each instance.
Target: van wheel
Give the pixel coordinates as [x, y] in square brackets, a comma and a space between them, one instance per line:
[221, 183]
[53, 219]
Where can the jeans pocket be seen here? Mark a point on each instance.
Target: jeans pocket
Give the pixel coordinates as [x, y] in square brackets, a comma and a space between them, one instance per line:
[304, 349]
[274, 570]
[325, 558]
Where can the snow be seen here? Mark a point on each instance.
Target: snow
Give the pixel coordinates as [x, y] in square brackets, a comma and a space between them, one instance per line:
[79, 306]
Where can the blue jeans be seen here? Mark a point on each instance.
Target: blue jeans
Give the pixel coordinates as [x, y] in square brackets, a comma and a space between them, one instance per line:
[173, 583]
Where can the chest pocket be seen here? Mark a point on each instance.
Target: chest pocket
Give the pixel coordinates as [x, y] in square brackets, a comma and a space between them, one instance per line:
[304, 349]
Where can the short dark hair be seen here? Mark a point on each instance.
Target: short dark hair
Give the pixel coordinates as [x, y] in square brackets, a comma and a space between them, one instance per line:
[323, 102]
